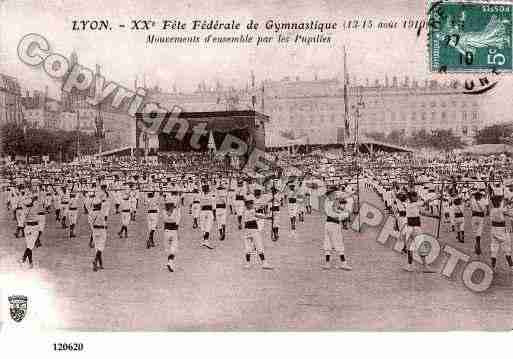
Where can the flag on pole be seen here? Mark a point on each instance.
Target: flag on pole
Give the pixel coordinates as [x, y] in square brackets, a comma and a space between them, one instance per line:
[346, 98]
[263, 94]
[211, 142]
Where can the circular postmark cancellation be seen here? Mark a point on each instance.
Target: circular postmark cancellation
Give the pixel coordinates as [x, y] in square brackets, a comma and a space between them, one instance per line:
[470, 36]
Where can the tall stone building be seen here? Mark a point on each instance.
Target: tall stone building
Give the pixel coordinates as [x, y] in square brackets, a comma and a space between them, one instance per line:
[205, 98]
[117, 126]
[409, 107]
[10, 100]
[41, 111]
[314, 111]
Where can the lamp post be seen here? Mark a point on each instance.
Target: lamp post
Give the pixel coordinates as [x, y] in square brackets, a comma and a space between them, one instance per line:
[78, 134]
[275, 176]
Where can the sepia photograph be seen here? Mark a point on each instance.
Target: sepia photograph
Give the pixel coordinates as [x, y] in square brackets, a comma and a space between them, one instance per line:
[255, 166]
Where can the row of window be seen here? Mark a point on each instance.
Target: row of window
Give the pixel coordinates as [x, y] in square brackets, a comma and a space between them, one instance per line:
[377, 102]
[393, 118]
[464, 130]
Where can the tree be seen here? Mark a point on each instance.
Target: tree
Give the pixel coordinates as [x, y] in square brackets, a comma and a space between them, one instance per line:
[419, 138]
[445, 140]
[378, 136]
[493, 134]
[36, 141]
[396, 137]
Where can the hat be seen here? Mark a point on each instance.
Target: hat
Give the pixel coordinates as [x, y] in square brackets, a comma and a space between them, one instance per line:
[97, 204]
[331, 189]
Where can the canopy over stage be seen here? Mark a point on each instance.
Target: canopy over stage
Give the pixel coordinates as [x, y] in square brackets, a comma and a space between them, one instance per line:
[370, 146]
[365, 145]
[191, 131]
[488, 149]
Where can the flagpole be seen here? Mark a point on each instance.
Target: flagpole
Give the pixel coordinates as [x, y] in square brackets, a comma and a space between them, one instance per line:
[263, 94]
[273, 235]
[346, 111]
[78, 133]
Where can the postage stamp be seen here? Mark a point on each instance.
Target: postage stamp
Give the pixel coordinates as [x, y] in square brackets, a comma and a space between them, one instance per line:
[470, 36]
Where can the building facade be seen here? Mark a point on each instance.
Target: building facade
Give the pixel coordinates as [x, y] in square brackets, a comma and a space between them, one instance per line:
[410, 107]
[10, 100]
[204, 99]
[313, 112]
[40, 111]
[117, 126]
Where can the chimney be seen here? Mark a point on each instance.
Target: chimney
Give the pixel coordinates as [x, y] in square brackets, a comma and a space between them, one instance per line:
[406, 81]
[394, 81]
[387, 84]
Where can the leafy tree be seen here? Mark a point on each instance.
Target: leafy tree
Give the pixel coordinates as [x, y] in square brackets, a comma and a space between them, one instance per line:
[55, 143]
[445, 140]
[419, 138]
[378, 136]
[396, 137]
[493, 134]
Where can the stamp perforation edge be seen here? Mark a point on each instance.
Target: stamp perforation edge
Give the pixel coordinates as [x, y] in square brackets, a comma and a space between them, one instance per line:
[479, 71]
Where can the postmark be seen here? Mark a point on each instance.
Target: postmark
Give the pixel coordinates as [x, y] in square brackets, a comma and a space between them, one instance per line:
[470, 36]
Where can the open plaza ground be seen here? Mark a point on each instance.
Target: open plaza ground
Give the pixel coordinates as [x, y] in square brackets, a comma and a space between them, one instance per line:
[211, 290]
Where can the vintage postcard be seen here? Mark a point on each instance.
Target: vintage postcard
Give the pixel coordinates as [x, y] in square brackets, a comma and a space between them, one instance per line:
[229, 165]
